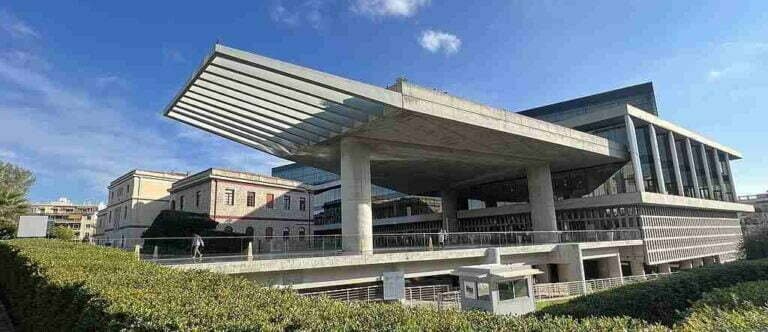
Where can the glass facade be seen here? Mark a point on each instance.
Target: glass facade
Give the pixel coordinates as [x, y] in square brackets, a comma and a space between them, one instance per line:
[701, 174]
[685, 168]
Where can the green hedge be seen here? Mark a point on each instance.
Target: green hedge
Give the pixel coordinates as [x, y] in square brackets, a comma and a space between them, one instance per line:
[743, 307]
[54, 285]
[752, 292]
[665, 300]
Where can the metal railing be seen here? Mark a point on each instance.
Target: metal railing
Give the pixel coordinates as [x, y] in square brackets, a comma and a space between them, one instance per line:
[368, 293]
[233, 248]
[431, 293]
[579, 288]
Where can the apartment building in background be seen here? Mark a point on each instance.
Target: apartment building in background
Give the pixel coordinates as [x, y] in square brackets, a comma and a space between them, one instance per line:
[246, 203]
[81, 218]
[134, 200]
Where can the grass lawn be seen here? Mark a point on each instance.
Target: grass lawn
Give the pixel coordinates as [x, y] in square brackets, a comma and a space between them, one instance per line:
[541, 304]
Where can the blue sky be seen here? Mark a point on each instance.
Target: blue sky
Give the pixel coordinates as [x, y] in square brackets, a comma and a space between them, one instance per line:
[83, 83]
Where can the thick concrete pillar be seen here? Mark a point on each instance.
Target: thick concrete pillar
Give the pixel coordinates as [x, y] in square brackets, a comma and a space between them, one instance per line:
[356, 214]
[541, 198]
[573, 270]
[719, 170]
[730, 177]
[634, 153]
[543, 278]
[609, 267]
[665, 268]
[637, 268]
[686, 265]
[675, 163]
[450, 201]
[657, 160]
[692, 168]
[707, 175]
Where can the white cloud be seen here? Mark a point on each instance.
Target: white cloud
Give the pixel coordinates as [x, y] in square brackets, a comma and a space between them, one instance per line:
[16, 27]
[737, 60]
[380, 8]
[436, 41]
[307, 11]
[76, 139]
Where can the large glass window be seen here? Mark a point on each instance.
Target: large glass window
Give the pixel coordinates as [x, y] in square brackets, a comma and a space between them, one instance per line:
[251, 199]
[513, 289]
[286, 202]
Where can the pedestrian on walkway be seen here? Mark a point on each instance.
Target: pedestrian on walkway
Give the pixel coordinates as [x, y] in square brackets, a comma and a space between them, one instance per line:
[197, 243]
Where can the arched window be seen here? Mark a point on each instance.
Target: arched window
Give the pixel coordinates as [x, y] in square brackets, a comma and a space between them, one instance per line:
[302, 232]
[268, 233]
[249, 231]
[173, 204]
[228, 229]
[286, 233]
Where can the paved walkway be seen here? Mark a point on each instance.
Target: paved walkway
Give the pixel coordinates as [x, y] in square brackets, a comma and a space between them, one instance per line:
[5, 322]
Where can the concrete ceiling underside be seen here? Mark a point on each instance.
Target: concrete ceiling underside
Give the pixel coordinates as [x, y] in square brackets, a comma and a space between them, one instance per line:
[301, 114]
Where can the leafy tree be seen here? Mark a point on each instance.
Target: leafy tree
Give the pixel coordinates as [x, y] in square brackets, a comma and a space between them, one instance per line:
[63, 233]
[15, 178]
[12, 205]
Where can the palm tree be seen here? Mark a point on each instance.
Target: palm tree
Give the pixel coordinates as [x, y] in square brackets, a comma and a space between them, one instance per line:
[12, 205]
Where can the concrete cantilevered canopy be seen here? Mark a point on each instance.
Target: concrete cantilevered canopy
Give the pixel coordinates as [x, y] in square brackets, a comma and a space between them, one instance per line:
[420, 140]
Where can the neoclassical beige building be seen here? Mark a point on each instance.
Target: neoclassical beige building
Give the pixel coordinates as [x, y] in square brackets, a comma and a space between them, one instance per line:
[245, 203]
[134, 200]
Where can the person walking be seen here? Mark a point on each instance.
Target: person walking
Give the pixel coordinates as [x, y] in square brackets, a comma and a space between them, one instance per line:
[441, 238]
[197, 243]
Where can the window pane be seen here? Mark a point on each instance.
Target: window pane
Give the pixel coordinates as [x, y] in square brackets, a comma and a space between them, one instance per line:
[521, 288]
[506, 291]
[469, 290]
[483, 291]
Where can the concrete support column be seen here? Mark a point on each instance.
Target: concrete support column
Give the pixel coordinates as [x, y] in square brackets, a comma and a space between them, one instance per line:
[707, 175]
[637, 268]
[634, 153]
[450, 200]
[665, 268]
[686, 265]
[698, 262]
[657, 160]
[609, 267]
[692, 168]
[675, 163]
[730, 177]
[719, 170]
[574, 269]
[541, 198]
[543, 278]
[356, 214]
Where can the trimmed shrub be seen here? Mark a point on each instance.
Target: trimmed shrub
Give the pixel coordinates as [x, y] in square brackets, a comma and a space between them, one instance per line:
[665, 300]
[54, 285]
[753, 292]
[742, 318]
